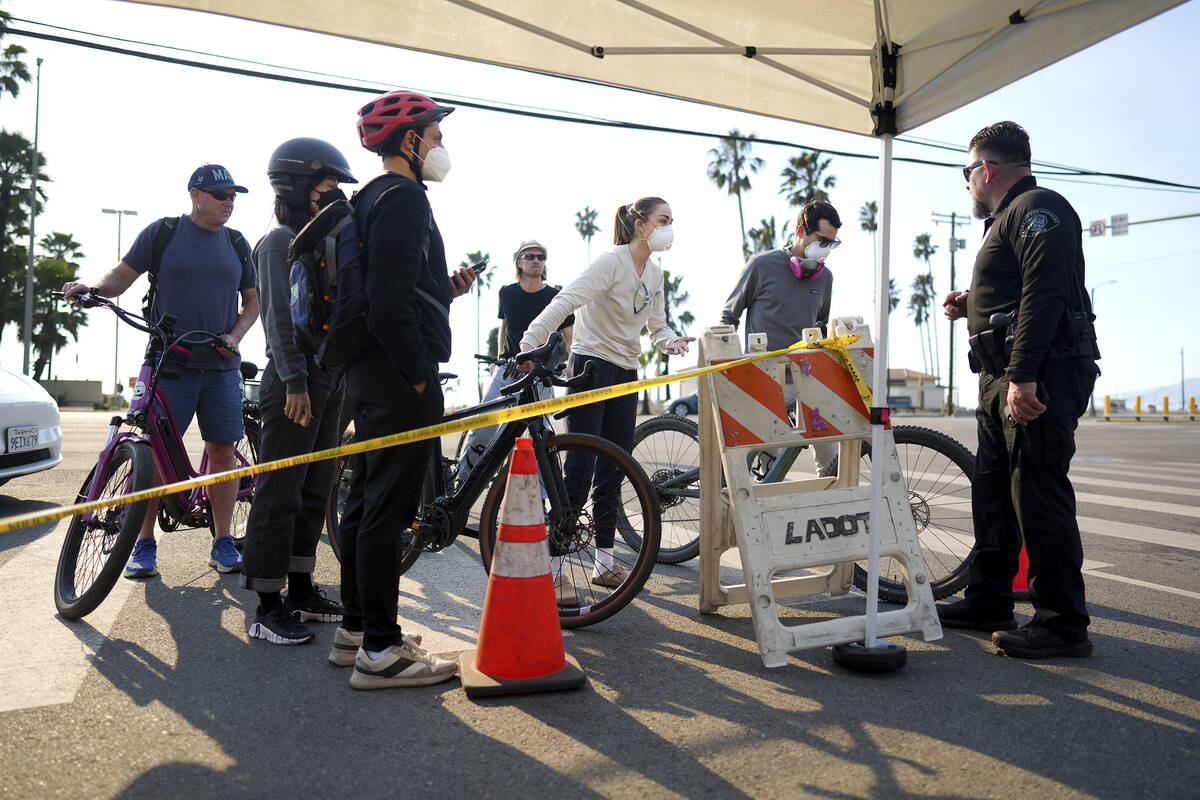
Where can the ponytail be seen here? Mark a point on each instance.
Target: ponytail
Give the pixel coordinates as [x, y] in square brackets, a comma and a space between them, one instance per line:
[626, 216]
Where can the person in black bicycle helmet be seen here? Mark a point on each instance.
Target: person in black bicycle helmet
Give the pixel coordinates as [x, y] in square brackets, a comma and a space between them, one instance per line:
[393, 384]
[301, 408]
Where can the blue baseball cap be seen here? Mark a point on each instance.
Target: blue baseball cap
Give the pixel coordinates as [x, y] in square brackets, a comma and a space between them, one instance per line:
[213, 176]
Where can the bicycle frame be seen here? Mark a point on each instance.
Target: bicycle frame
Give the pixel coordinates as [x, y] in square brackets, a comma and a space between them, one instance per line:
[150, 414]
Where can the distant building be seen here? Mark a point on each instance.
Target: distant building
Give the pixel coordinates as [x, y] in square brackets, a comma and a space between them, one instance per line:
[909, 389]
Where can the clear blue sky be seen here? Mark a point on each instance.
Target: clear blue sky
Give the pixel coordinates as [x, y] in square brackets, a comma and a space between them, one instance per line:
[121, 132]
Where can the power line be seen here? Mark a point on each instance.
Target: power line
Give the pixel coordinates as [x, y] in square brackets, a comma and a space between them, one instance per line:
[553, 116]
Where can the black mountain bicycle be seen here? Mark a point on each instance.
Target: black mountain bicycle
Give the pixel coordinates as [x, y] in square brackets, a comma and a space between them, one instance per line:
[590, 487]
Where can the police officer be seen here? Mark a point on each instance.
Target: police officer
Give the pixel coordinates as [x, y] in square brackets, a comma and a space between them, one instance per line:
[1033, 343]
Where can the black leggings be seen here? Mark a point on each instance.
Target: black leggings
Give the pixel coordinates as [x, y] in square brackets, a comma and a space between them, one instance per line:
[613, 420]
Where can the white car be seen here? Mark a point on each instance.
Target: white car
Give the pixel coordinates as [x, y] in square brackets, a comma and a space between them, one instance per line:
[30, 426]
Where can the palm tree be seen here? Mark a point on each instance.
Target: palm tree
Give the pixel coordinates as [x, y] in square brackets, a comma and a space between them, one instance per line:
[52, 325]
[868, 219]
[482, 281]
[13, 71]
[585, 223]
[15, 162]
[765, 236]
[918, 307]
[924, 248]
[730, 168]
[804, 179]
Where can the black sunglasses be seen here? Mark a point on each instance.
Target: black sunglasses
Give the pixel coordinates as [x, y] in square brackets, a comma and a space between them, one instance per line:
[221, 196]
[533, 256]
[830, 243]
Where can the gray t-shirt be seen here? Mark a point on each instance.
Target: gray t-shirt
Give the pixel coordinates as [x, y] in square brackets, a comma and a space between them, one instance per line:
[199, 283]
[776, 302]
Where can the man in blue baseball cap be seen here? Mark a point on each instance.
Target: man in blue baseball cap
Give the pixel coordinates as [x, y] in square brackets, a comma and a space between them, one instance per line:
[198, 270]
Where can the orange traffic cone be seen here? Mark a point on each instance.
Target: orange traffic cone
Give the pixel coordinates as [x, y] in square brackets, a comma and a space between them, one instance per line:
[1021, 582]
[520, 643]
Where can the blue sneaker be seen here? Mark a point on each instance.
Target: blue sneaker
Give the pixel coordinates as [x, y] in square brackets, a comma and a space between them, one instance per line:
[225, 556]
[143, 562]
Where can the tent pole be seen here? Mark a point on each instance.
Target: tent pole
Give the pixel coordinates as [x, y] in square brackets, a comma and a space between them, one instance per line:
[879, 386]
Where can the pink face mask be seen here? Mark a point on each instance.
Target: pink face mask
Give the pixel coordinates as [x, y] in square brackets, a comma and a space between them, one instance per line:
[797, 266]
[814, 254]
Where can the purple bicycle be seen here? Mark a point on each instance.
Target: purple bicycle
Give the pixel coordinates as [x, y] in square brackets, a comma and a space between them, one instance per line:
[98, 544]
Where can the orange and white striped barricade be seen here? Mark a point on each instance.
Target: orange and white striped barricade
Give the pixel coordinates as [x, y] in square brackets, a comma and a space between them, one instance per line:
[802, 524]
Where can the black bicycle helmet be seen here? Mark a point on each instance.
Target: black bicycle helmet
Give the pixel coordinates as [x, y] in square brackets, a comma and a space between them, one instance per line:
[299, 164]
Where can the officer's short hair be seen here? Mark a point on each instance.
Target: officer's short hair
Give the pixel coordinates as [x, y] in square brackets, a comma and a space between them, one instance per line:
[1006, 140]
[814, 211]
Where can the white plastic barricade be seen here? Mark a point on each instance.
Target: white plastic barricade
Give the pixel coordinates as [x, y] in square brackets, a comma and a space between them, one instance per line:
[798, 525]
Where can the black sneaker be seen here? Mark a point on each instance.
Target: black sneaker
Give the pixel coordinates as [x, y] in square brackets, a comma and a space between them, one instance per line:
[960, 614]
[279, 626]
[317, 608]
[1037, 641]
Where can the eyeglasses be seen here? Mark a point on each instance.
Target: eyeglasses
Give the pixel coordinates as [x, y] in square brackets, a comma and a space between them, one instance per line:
[221, 196]
[533, 256]
[969, 169]
[640, 294]
[830, 243]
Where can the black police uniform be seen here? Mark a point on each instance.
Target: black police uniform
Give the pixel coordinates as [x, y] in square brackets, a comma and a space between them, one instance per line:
[1031, 266]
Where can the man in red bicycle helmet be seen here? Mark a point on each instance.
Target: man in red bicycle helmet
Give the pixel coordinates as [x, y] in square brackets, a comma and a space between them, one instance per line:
[393, 384]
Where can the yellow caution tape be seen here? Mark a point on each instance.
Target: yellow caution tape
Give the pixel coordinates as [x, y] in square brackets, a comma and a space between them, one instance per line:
[837, 343]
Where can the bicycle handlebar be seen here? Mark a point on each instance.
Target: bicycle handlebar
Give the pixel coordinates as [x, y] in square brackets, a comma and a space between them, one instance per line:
[541, 358]
[160, 332]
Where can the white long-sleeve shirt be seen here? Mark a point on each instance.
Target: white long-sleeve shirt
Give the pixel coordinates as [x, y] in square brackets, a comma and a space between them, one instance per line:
[612, 304]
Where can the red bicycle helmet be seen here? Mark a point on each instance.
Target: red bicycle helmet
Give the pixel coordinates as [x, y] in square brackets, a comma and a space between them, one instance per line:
[396, 111]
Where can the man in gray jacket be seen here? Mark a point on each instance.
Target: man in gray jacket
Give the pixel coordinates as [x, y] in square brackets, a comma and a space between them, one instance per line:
[787, 289]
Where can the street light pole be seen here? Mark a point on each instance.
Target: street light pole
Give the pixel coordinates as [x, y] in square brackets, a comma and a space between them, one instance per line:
[1092, 297]
[954, 222]
[37, 112]
[117, 322]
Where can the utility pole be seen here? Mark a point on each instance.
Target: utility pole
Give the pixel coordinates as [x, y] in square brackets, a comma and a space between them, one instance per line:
[33, 210]
[955, 245]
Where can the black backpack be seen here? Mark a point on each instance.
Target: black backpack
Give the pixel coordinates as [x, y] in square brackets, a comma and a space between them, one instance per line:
[162, 238]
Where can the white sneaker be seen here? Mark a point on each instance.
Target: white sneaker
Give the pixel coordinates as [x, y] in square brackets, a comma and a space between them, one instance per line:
[403, 664]
[346, 644]
[565, 592]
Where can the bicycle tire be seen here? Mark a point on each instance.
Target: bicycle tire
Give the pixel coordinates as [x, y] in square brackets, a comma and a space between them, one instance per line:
[95, 549]
[335, 506]
[246, 454]
[635, 498]
[668, 448]
[339, 490]
[937, 476]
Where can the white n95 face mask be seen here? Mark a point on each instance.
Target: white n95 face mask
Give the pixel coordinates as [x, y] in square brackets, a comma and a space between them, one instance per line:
[661, 239]
[436, 165]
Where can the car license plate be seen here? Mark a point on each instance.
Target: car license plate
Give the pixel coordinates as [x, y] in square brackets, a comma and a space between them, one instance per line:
[22, 438]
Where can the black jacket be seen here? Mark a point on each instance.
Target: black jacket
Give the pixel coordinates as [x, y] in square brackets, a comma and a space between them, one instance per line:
[1030, 265]
[404, 251]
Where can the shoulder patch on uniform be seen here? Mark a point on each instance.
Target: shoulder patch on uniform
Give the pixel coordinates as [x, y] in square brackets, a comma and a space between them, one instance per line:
[1039, 220]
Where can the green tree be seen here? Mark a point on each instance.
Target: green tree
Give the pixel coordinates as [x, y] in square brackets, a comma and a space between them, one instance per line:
[804, 179]
[923, 249]
[482, 281]
[585, 223]
[765, 236]
[15, 161]
[893, 295]
[918, 307]
[13, 71]
[54, 322]
[730, 167]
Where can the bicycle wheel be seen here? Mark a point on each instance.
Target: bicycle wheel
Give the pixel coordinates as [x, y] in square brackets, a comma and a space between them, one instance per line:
[339, 490]
[603, 482]
[668, 449]
[246, 454]
[98, 543]
[937, 475]
[335, 507]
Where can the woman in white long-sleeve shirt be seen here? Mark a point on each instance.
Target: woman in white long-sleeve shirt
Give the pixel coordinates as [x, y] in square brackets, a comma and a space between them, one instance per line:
[618, 296]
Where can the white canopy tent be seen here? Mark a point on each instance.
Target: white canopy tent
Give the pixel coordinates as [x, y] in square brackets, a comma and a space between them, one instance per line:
[871, 67]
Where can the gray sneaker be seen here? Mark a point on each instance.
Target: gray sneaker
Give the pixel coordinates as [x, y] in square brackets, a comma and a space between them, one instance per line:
[404, 664]
[346, 644]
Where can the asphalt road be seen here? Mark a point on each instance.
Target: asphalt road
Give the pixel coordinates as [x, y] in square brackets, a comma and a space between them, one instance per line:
[160, 693]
